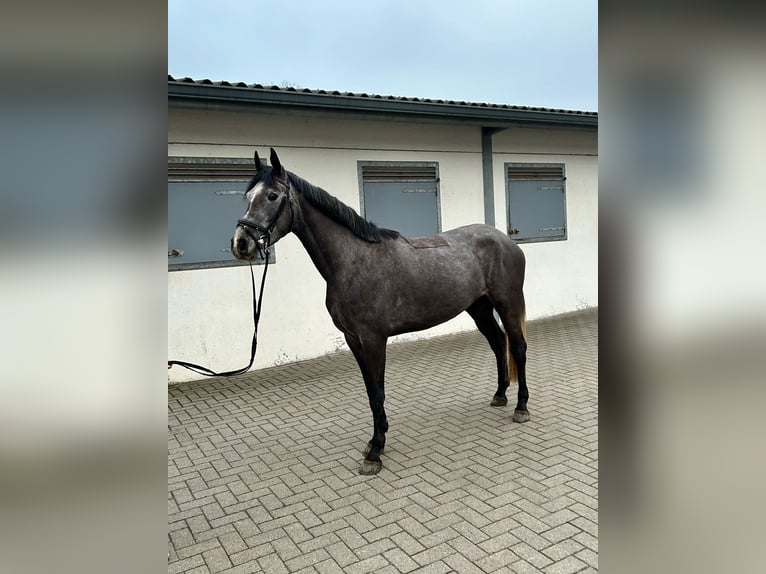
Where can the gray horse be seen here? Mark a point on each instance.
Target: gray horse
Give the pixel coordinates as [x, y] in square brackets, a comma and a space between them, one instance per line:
[381, 283]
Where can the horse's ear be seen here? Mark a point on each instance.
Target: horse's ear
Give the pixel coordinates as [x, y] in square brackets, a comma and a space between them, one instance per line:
[258, 164]
[275, 163]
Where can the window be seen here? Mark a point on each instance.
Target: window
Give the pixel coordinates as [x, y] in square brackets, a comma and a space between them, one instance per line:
[536, 201]
[401, 195]
[205, 200]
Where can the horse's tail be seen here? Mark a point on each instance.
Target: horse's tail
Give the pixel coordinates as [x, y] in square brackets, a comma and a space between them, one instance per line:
[513, 373]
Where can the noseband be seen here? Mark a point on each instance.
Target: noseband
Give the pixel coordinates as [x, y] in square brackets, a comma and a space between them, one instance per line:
[264, 247]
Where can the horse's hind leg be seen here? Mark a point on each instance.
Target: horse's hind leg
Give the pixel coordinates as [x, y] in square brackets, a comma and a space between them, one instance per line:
[515, 323]
[482, 313]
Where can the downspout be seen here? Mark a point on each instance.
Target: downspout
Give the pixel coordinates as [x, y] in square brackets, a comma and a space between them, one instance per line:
[487, 166]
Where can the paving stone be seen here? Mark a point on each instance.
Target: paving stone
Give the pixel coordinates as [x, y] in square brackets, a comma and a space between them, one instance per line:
[498, 561]
[367, 565]
[439, 567]
[523, 567]
[401, 560]
[589, 557]
[562, 549]
[181, 538]
[561, 532]
[251, 554]
[587, 540]
[307, 559]
[433, 554]
[198, 548]
[217, 559]
[568, 565]
[272, 564]
[459, 563]
[186, 565]
[329, 567]
[529, 554]
[342, 554]
[499, 542]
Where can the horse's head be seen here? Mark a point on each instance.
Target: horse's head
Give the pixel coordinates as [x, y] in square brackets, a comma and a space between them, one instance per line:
[269, 215]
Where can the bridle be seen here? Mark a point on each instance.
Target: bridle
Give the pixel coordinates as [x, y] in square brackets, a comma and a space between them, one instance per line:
[263, 243]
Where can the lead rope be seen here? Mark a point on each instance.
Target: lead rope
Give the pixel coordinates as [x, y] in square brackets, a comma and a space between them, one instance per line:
[265, 251]
[257, 303]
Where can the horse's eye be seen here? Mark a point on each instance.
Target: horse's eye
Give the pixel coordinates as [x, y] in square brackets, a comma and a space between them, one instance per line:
[272, 196]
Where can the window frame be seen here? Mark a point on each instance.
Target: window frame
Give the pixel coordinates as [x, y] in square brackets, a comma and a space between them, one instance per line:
[360, 164]
[507, 166]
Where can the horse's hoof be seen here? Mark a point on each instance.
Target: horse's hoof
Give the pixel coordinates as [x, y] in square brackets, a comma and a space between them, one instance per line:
[520, 416]
[370, 467]
[498, 401]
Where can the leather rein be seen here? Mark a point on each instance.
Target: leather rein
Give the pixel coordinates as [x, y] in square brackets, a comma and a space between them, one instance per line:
[263, 243]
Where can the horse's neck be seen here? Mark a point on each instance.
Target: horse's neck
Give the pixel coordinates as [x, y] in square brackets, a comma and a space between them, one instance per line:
[329, 244]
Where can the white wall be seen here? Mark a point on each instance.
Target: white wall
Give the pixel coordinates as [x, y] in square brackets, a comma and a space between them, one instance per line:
[209, 311]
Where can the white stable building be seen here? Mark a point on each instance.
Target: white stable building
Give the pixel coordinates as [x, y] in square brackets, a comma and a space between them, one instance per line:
[416, 165]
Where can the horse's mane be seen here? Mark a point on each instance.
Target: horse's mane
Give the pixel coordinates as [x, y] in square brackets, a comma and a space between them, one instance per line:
[341, 213]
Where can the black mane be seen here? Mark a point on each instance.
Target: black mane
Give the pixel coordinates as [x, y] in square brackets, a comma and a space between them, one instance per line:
[341, 213]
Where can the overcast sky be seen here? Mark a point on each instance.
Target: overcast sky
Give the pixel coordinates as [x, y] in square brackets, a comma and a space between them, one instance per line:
[523, 52]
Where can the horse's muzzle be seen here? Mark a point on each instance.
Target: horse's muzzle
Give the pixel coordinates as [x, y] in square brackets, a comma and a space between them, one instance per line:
[244, 245]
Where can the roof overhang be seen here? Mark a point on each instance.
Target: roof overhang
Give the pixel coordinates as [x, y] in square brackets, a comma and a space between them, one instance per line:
[240, 97]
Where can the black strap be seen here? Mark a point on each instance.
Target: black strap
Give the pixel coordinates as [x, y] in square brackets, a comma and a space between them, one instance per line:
[257, 303]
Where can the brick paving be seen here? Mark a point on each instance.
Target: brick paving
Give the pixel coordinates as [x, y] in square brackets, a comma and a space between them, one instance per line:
[262, 468]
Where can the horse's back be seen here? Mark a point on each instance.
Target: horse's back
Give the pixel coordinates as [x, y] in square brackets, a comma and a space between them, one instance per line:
[458, 235]
[482, 236]
[500, 257]
[481, 239]
[476, 249]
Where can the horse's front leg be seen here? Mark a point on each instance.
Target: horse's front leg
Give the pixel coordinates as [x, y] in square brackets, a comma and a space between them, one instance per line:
[370, 354]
